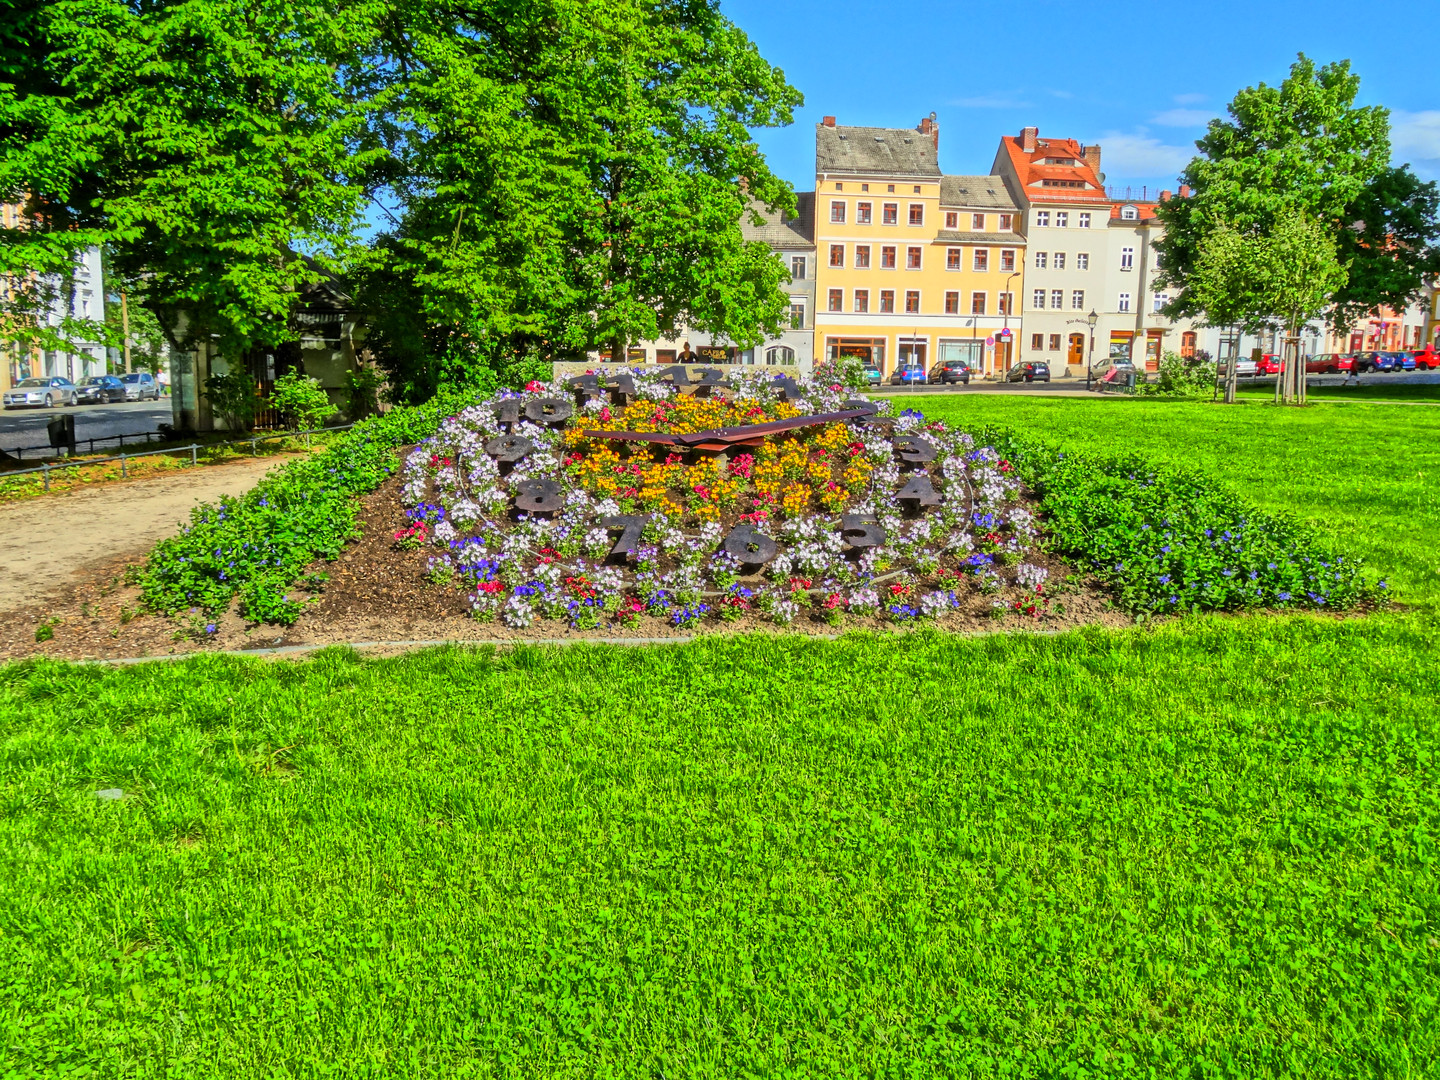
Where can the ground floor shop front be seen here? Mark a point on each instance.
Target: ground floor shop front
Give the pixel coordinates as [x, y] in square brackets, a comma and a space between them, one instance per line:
[986, 349]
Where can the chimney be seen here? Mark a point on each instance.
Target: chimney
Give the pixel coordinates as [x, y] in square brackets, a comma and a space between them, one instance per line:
[828, 121]
[1028, 138]
[1184, 191]
[1164, 196]
[1092, 157]
[928, 126]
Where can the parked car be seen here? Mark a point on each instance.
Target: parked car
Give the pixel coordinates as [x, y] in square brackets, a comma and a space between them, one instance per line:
[873, 376]
[1269, 364]
[1426, 358]
[1245, 368]
[950, 371]
[904, 376]
[100, 389]
[43, 393]
[1373, 361]
[1031, 371]
[1403, 361]
[140, 385]
[1327, 363]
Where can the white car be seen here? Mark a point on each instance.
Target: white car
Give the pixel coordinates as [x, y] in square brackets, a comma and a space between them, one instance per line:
[41, 393]
[140, 385]
[1246, 368]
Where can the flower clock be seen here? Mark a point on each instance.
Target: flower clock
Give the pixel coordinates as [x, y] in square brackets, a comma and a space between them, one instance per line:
[687, 496]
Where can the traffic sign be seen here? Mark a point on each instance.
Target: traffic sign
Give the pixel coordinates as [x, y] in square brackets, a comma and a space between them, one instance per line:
[1005, 334]
[989, 342]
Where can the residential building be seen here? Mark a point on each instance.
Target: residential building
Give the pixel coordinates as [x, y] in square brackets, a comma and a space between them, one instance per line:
[1064, 213]
[82, 298]
[793, 242]
[914, 266]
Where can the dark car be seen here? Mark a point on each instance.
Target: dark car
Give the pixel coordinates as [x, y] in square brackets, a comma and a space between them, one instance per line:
[950, 371]
[1032, 371]
[41, 391]
[100, 389]
[1373, 361]
[872, 375]
[904, 376]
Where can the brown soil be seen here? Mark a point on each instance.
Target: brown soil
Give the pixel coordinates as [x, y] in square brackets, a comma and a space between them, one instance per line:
[376, 593]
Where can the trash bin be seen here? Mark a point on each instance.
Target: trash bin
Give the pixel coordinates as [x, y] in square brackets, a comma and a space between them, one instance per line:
[1129, 384]
[61, 430]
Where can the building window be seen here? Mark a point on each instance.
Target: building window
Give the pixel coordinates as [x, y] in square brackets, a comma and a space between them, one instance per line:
[837, 254]
[1187, 343]
[1037, 299]
[1124, 301]
[1077, 299]
[839, 187]
[1042, 219]
[1127, 258]
[1007, 261]
[952, 303]
[864, 187]
[1129, 213]
[912, 258]
[862, 256]
[1082, 261]
[890, 188]
[1007, 303]
[1059, 260]
[952, 219]
[977, 222]
[887, 258]
[1062, 219]
[1037, 342]
[982, 259]
[917, 189]
[837, 213]
[837, 300]
[862, 300]
[1084, 221]
[977, 303]
[1054, 342]
[797, 267]
[891, 212]
[862, 213]
[1160, 299]
[887, 301]
[912, 302]
[1057, 298]
[917, 213]
[1041, 260]
[952, 258]
[779, 354]
[797, 313]
[1007, 223]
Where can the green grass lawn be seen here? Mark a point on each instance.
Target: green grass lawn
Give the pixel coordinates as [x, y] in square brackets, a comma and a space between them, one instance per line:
[1372, 391]
[1367, 474]
[1204, 849]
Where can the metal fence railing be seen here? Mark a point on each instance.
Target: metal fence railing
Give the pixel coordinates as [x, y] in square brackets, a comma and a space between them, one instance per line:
[46, 468]
[18, 452]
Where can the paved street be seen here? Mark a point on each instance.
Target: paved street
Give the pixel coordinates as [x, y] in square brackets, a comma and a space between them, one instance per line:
[25, 428]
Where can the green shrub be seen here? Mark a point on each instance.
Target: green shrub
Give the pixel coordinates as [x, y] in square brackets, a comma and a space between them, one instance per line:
[1180, 377]
[234, 397]
[302, 402]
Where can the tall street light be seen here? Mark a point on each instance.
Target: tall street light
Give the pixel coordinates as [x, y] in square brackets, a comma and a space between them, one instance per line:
[1009, 299]
[1092, 319]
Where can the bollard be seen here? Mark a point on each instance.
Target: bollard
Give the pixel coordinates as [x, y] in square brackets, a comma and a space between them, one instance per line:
[192, 445]
[123, 473]
[46, 466]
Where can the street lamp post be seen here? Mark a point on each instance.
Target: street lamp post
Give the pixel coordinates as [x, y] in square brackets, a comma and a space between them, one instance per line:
[1092, 319]
[1009, 300]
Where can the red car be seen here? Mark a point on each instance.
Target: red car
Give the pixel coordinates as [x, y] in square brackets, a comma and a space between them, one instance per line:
[1426, 358]
[1329, 363]
[1269, 365]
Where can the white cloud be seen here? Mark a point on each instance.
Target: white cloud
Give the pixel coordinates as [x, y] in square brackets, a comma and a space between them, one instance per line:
[992, 101]
[1066, 94]
[1188, 99]
[1141, 155]
[1182, 118]
[1415, 136]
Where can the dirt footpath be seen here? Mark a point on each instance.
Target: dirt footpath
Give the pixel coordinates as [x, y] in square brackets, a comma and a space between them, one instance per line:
[47, 544]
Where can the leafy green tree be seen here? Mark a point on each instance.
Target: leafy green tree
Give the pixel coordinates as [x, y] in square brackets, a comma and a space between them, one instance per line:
[1305, 147]
[1297, 270]
[578, 173]
[207, 142]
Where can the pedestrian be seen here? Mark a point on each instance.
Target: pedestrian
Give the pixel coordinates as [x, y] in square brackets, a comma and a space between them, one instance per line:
[686, 356]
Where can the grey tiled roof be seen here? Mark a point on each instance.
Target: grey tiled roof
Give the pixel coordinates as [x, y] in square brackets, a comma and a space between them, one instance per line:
[981, 192]
[1006, 239]
[868, 151]
[796, 232]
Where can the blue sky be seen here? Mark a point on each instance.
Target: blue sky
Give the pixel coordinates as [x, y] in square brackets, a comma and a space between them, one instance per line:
[1141, 80]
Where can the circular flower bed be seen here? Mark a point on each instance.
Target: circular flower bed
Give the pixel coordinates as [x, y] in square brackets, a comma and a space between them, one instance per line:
[618, 498]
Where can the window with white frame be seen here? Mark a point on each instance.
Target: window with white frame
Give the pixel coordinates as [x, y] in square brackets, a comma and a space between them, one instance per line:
[862, 300]
[837, 299]
[1127, 258]
[1082, 261]
[797, 267]
[887, 257]
[1037, 342]
[1124, 302]
[862, 256]
[977, 303]
[1037, 299]
[1059, 260]
[890, 213]
[1160, 299]
[952, 219]
[837, 213]
[1042, 219]
[977, 222]
[1042, 260]
[1129, 213]
[1077, 299]
[917, 213]
[912, 302]
[982, 259]
[912, 258]
[862, 213]
[837, 254]
[1007, 261]
[887, 301]
[1084, 221]
[1007, 303]
[1007, 222]
[1062, 219]
[1057, 298]
[953, 257]
[952, 303]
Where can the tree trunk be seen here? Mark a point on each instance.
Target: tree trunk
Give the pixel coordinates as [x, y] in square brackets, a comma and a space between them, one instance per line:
[1233, 375]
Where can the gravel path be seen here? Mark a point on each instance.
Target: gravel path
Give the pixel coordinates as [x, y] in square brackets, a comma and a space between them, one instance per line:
[50, 542]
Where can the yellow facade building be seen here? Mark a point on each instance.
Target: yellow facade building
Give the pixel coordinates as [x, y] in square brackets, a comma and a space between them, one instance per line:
[912, 266]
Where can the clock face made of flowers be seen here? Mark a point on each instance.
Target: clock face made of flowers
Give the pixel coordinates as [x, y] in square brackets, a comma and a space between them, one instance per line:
[686, 495]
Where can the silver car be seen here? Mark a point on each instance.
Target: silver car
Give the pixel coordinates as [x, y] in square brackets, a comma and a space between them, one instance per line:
[42, 393]
[140, 385]
[1246, 368]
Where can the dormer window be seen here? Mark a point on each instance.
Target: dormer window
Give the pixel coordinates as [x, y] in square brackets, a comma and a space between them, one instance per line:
[1129, 213]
